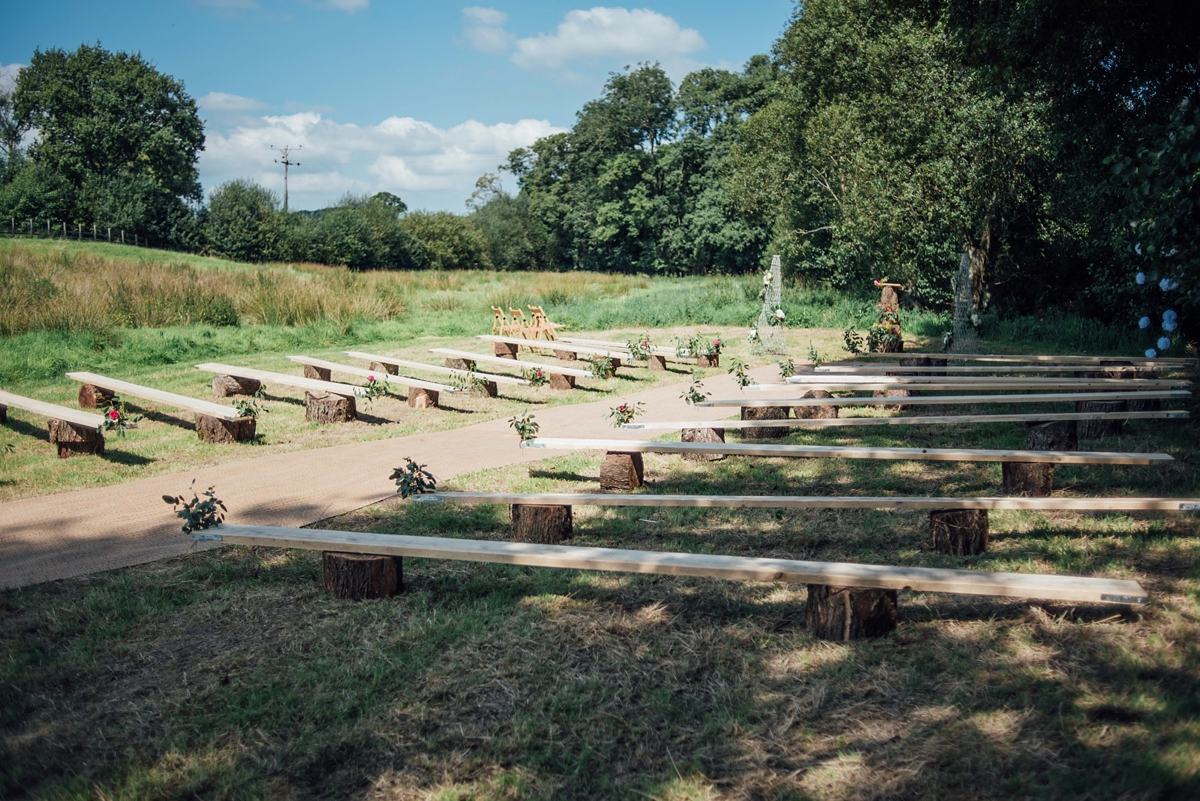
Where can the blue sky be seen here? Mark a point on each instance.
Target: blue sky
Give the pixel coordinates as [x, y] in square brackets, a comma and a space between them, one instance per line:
[417, 99]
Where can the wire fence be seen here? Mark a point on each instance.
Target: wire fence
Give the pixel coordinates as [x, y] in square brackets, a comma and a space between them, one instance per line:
[49, 229]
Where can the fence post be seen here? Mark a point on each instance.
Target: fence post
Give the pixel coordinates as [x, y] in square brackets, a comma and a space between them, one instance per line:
[64, 229]
[79, 232]
[110, 233]
[122, 236]
[47, 227]
[93, 232]
[31, 226]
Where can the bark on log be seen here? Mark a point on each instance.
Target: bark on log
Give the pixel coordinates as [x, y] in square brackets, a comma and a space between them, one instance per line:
[703, 435]
[657, 363]
[708, 361]
[890, 296]
[225, 385]
[93, 397]
[223, 432]
[1152, 405]
[74, 440]
[505, 350]
[487, 389]
[358, 576]
[849, 613]
[765, 413]
[815, 412]
[3, 413]
[892, 393]
[1033, 479]
[560, 381]
[329, 408]
[421, 398]
[621, 472]
[565, 355]
[461, 364]
[541, 523]
[885, 347]
[319, 373]
[384, 367]
[1095, 428]
[961, 532]
[924, 361]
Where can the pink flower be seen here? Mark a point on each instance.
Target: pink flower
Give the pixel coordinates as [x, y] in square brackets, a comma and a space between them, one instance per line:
[370, 379]
[113, 414]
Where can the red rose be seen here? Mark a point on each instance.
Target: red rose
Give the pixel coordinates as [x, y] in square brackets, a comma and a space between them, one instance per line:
[370, 378]
[113, 414]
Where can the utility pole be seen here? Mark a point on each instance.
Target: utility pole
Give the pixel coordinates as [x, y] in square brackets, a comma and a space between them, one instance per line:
[283, 159]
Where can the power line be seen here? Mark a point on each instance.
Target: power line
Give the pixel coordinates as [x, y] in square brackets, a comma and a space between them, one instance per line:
[283, 152]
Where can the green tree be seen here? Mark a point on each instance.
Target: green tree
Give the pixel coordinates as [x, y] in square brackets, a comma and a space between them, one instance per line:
[242, 221]
[447, 241]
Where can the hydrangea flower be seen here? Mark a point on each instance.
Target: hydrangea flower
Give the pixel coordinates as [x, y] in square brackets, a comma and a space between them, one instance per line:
[1170, 325]
[1144, 322]
[1163, 343]
[1138, 250]
[1140, 278]
[1151, 353]
[1164, 285]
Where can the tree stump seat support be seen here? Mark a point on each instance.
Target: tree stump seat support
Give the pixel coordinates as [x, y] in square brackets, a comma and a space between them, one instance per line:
[622, 471]
[765, 413]
[357, 577]
[93, 397]
[541, 523]
[1036, 479]
[221, 431]
[850, 613]
[421, 398]
[560, 381]
[960, 532]
[329, 408]
[225, 385]
[72, 439]
[703, 435]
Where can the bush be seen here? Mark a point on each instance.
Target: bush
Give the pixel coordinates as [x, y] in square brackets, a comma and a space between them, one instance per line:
[447, 241]
[242, 221]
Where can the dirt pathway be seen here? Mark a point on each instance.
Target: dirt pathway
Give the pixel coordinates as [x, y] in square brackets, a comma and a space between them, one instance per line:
[87, 531]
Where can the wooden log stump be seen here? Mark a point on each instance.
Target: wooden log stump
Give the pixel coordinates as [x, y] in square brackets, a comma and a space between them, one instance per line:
[961, 532]
[849, 613]
[1098, 428]
[924, 361]
[703, 435]
[3, 413]
[505, 350]
[93, 397]
[885, 347]
[560, 381]
[1034, 479]
[815, 412]
[708, 361]
[656, 363]
[565, 355]
[385, 367]
[621, 471]
[765, 413]
[221, 431]
[890, 295]
[461, 364]
[541, 523]
[892, 393]
[421, 398]
[1152, 405]
[358, 576]
[225, 385]
[72, 439]
[329, 408]
[319, 373]
[485, 389]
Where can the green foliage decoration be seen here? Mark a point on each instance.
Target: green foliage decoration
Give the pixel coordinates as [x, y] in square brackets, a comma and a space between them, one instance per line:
[525, 426]
[197, 513]
[625, 413]
[253, 406]
[413, 479]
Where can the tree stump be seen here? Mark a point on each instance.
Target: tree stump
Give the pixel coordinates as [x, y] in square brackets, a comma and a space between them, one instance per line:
[890, 295]
[384, 367]
[1097, 428]
[892, 393]
[815, 412]
[93, 397]
[3, 413]
[222, 431]
[319, 373]
[849, 613]
[505, 350]
[657, 363]
[541, 523]
[703, 435]
[565, 355]
[560, 381]
[1152, 405]
[225, 385]
[75, 440]
[961, 532]
[421, 398]
[486, 389]
[708, 361]
[1036, 480]
[461, 364]
[885, 347]
[621, 471]
[924, 361]
[329, 408]
[765, 413]
[358, 576]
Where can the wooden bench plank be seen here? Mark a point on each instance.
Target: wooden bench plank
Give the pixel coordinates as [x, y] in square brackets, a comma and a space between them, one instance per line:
[50, 410]
[935, 400]
[436, 368]
[849, 452]
[268, 377]
[1077, 589]
[1139, 361]
[947, 419]
[483, 357]
[917, 503]
[377, 375]
[147, 393]
[879, 369]
[555, 344]
[657, 350]
[835, 383]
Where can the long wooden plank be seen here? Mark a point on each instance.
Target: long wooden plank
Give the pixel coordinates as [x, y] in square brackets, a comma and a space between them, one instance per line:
[489, 359]
[1052, 504]
[848, 452]
[50, 410]
[959, 369]
[866, 383]
[436, 368]
[945, 419]
[657, 350]
[267, 377]
[376, 374]
[557, 344]
[148, 393]
[1079, 589]
[934, 400]
[1139, 361]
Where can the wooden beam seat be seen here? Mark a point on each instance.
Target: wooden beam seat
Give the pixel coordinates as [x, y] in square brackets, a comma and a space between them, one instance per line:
[657, 350]
[945, 400]
[558, 345]
[282, 379]
[1011, 358]
[952, 384]
[489, 359]
[946, 419]
[334, 367]
[436, 368]
[71, 431]
[1006, 369]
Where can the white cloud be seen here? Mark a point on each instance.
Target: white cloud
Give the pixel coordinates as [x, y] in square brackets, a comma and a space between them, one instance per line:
[227, 103]
[229, 4]
[429, 167]
[640, 34]
[349, 6]
[485, 29]
[478, 15]
[8, 76]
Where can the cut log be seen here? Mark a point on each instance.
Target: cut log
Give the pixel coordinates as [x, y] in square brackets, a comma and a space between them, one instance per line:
[358, 576]
[461, 364]
[329, 408]
[539, 523]
[765, 413]
[708, 361]
[420, 398]
[1097, 428]
[621, 472]
[385, 367]
[221, 431]
[885, 347]
[658, 363]
[225, 385]
[93, 397]
[847, 613]
[922, 361]
[1153, 405]
[815, 412]
[505, 350]
[3, 413]
[890, 296]
[893, 393]
[560, 381]
[319, 373]
[485, 389]
[72, 439]
[959, 532]
[703, 435]
[565, 355]
[1034, 479]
